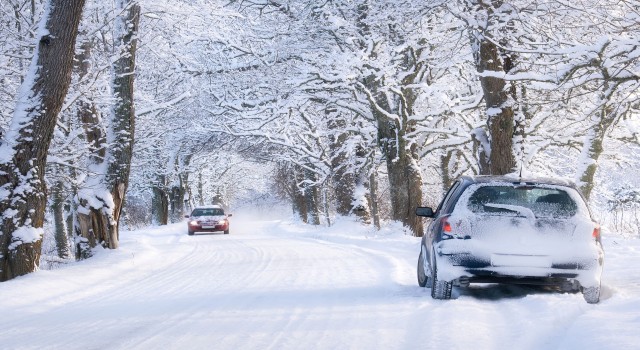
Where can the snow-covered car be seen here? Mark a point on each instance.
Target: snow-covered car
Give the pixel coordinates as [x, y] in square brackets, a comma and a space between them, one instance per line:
[209, 218]
[493, 229]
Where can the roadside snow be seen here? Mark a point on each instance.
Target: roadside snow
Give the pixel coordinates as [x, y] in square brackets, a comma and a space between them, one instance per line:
[282, 285]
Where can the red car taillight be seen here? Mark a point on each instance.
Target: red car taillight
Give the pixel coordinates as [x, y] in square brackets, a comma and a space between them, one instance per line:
[446, 226]
[596, 233]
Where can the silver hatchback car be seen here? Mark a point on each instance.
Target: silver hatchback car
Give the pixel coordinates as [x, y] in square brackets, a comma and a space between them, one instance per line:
[492, 229]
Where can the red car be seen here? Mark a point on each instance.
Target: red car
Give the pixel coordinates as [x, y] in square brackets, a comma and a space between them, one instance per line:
[210, 218]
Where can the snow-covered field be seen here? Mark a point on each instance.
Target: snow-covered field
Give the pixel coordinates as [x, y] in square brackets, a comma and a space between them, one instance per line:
[273, 284]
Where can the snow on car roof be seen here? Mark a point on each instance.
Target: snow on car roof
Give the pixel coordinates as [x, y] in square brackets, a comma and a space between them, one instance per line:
[512, 179]
[211, 206]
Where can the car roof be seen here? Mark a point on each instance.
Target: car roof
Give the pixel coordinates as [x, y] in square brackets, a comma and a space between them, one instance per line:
[213, 206]
[521, 180]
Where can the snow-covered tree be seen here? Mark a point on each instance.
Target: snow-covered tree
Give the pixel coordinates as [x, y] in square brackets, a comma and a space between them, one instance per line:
[24, 146]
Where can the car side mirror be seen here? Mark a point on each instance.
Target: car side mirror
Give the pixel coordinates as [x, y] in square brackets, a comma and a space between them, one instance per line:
[187, 216]
[229, 215]
[426, 212]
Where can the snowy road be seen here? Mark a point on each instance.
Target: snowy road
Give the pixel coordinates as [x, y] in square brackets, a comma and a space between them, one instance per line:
[272, 285]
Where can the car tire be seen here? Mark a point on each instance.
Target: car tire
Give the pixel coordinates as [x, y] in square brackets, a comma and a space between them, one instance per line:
[226, 232]
[591, 294]
[190, 233]
[423, 279]
[439, 289]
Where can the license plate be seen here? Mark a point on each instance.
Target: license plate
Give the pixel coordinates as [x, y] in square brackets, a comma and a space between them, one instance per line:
[207, 227]
[520, 260]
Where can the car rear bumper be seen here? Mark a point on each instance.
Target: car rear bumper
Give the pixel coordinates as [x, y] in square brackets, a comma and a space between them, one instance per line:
[491, 267]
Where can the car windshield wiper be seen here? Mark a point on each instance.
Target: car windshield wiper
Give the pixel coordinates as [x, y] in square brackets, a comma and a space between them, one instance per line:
[524, 211]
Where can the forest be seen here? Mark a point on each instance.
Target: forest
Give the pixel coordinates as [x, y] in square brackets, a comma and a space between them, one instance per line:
[128, 113]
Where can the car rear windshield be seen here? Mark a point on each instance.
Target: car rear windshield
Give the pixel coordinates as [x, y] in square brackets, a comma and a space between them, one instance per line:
[543, 202]
[207, 212]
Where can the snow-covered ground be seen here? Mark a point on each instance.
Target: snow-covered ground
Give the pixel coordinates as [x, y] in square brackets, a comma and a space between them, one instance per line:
[273, 284]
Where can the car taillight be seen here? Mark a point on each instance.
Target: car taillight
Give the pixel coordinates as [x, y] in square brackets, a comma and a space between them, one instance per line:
[446, 226]
[596, 233]
[445, 229]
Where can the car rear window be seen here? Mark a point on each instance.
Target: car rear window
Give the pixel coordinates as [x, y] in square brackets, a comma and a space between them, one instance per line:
[542, 201]
[207, 212]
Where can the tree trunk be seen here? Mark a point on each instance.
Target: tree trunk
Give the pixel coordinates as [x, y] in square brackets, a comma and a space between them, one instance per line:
[98, 224]
[22, 165]
[360, 200]
[373, 198]
[299, 198]
[343, 177]
[349, 177]
[177, 196]
[179, 193]
[445, 161]
[481, 149]
[89, 225]
[500, 112]
[60, 224]
[591, 150]
[312, 197]
[405, 180]
[160, 203]
[88, 221]
[123, 117]
[200, 189]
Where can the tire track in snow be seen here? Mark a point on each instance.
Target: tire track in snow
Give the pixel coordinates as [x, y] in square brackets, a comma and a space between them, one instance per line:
[211, 279]
[439, 322]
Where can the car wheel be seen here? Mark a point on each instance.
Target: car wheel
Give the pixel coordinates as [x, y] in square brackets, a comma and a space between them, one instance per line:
[226, 232]
[591, 294]
[439, 289]
[570, 286]
[423, 280]
[190, 233]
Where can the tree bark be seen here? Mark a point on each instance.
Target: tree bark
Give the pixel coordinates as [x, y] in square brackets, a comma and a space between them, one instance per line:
[160, 202]
[98, 224]
[312, 197]
[405, 180]
[591, 150]
[348, 175]
[89, 223]
[22, 186]
[298, 191]
[179, 193]
[445, 161]
[373, 198]
[123, 117]
[177, 196]
[343, 177]
[500, 115]
[499, 98]
[59, 220]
